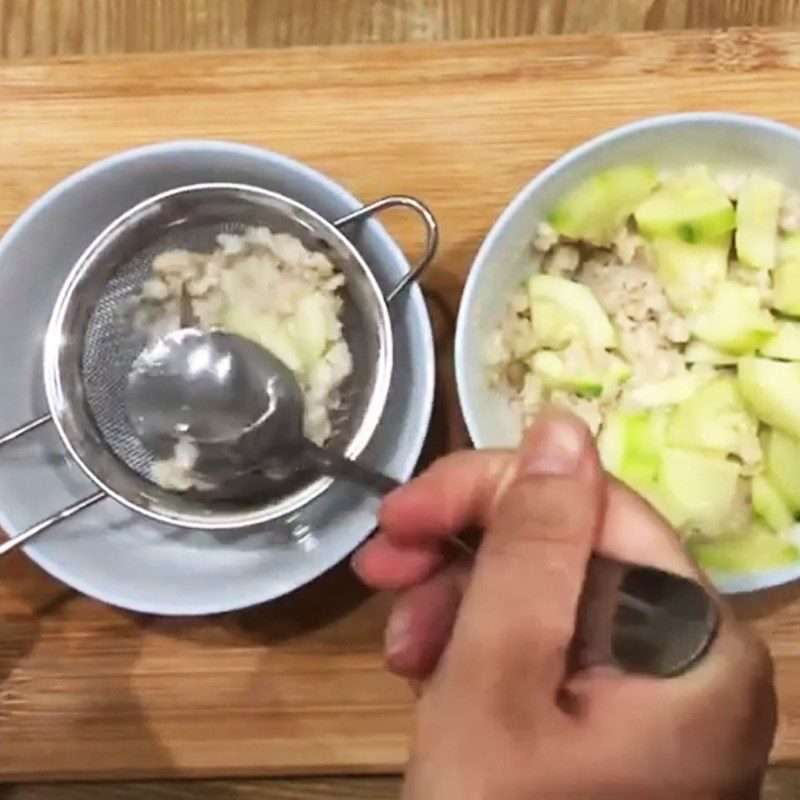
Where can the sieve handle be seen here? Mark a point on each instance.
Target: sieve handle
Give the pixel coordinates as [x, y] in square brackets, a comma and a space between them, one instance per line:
[46, 524]
[431, 230]
[53, 519]
[19, 432]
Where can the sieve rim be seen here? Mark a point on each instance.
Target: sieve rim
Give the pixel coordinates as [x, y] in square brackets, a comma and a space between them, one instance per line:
[60, 404]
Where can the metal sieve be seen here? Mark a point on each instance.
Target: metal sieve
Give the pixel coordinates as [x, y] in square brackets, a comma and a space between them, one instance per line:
[90, 345]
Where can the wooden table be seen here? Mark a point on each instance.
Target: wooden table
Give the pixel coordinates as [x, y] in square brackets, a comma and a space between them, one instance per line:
[44, 28]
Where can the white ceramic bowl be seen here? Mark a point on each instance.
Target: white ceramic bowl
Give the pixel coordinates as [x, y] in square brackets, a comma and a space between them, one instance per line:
[108, 551]
[723, 141]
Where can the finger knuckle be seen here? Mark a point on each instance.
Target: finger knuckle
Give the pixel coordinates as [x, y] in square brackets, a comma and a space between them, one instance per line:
[545, 507]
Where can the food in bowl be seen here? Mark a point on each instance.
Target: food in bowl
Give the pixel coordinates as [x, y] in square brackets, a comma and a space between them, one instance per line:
[267, 287]
[661, 308]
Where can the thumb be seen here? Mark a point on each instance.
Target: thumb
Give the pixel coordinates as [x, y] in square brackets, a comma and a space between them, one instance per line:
[520, 608]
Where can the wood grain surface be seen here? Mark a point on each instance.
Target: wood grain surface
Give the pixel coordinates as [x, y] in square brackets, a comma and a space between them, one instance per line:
[90, 691]
[60, 27]
[42, 28]
[330, 788]
[781, 784]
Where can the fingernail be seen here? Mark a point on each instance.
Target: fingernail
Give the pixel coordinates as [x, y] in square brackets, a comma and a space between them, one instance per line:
[555, 447]
[396, 636]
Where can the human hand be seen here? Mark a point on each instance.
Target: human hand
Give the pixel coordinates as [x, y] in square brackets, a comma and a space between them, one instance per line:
[499, 715]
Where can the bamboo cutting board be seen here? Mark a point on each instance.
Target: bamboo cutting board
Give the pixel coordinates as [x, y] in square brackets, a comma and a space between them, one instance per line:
[93, 692]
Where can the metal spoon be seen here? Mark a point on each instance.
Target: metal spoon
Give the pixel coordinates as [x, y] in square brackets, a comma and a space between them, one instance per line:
[243, 410]
[239, 405]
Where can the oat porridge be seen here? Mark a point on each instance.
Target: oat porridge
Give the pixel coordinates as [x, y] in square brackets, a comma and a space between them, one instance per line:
[267, 287]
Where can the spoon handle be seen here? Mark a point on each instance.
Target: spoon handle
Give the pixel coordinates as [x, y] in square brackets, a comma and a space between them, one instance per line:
[641, 619]
[336, 466]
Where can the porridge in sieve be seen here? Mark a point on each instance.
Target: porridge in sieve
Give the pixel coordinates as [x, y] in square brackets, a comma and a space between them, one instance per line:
[267, 287]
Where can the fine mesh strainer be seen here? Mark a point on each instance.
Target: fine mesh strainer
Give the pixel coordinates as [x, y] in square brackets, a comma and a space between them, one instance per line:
[91, 343]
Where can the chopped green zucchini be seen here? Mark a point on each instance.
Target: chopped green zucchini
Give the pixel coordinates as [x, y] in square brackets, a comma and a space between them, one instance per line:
[598, 207]
[757, 213]
[690, 205]
[578, 303]
[769, 504]
[734, 321]
[703, 485]
[750, 552]
[689, 271]
[714, 418]
[771, 390]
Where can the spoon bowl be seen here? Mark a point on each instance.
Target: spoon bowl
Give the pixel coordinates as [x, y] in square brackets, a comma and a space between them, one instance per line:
[239, 406]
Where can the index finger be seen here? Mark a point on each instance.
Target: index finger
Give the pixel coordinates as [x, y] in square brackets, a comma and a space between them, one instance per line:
[457, 492]
[460, 491]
